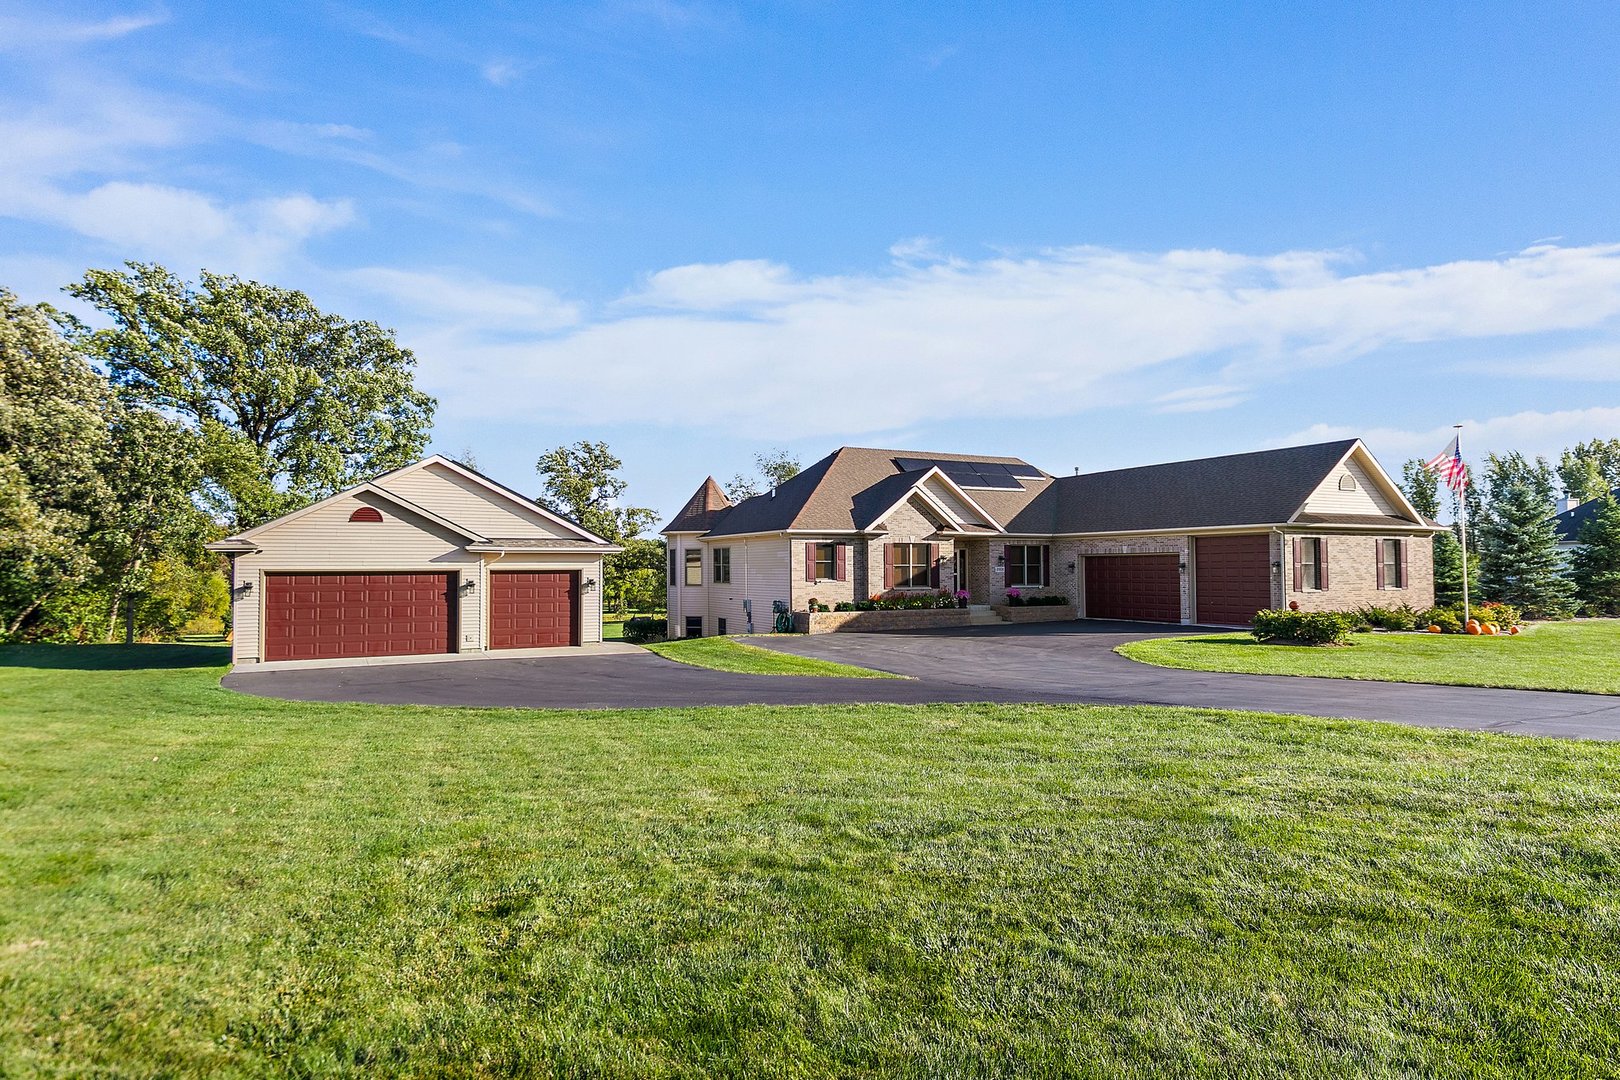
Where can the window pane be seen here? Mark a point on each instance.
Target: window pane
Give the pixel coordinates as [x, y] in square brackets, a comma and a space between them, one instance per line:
[694, 567]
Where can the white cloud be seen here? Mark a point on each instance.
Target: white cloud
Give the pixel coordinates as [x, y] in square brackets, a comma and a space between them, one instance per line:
[1201, 399]
[1049, 334]
[19, 32]
[468, 299]
[1543, 433]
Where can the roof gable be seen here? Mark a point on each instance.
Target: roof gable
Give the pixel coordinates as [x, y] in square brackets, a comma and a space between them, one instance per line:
[517, 506]
[376, 494]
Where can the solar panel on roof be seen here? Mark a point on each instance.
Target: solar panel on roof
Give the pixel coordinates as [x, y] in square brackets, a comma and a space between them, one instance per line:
[995, 475]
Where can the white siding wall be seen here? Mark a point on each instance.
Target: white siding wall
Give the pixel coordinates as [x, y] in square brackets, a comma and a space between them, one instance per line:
[759, 573]
[1367, 498]
[451, 496]
[326, 540]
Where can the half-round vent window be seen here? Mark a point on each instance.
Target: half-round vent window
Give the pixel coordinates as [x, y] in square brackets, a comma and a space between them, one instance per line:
[1347, 482]
[366, 513]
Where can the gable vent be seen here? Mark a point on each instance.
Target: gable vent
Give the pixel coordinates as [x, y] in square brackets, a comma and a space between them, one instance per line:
[366, 513]
[1347, 482]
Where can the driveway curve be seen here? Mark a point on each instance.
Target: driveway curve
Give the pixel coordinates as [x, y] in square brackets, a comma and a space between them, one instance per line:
[1065, 663]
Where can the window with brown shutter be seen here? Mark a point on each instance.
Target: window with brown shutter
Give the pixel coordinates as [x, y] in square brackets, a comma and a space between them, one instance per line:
[827, 562]
[1391, 573]
[1310, 565]
[913, 566]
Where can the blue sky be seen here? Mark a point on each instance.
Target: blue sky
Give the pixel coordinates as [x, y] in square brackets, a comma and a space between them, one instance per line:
[1089, 235]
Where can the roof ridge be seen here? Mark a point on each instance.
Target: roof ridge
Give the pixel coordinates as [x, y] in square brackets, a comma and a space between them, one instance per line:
[1345, 443]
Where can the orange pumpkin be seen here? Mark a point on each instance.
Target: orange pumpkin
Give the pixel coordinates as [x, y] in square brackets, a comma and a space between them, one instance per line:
[1473, 627]
[1434, 628]
[1490, 629]
[1513, 630]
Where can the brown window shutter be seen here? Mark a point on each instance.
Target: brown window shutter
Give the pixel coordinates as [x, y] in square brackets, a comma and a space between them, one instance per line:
[1322, 571]
[1378, 556]
[933, 566]
[1046, 565]
[839, 565]
[888, 566]
[810, 560]
[1299, 567]
[1400, 557]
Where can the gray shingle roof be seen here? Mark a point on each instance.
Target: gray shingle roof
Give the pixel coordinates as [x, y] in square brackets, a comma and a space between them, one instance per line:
[1261, 488]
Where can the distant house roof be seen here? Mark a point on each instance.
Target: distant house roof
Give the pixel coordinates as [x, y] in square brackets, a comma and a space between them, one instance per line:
[1571, 521]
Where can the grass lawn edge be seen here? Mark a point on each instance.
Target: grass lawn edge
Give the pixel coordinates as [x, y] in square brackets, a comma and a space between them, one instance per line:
[741, 658]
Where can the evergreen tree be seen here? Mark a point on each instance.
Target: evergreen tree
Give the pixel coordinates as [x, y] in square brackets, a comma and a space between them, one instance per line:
[1448, 579]
[1595, 566]
[1520, 560]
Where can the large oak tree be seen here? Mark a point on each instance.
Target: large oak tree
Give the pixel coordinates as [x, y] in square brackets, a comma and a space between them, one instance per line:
[291, 403]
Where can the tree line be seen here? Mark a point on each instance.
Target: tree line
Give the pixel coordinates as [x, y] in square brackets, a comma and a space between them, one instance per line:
[1514, 555]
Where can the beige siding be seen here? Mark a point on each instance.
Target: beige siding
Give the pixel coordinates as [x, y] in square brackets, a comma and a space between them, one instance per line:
[458, 499]
[1368, 497]
[949, 500]
[326, 540]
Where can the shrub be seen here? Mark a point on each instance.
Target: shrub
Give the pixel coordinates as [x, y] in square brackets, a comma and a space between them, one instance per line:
[1373, 617]
[642, 630]
[1449, 620]
[899, 601]
[1304, 627]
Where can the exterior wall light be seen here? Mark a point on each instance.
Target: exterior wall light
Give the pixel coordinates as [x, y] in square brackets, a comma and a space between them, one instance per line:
[468, 586]
[588, 584]
[244, 588]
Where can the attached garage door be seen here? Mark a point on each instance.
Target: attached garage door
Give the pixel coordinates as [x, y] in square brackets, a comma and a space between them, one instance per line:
[1232, 576]
[533, 609]
[326, 616]
[1141, 587]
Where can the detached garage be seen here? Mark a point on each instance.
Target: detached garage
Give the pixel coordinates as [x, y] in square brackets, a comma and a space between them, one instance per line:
[432, 559]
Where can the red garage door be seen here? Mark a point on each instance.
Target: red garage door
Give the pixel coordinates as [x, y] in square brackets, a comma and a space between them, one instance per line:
[324, 616]
[1232, 576]
[533, 609]
[1142, 587]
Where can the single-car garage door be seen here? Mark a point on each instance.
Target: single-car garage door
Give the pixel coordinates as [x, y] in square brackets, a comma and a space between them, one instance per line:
[327, 616]
[533, 609]
[1232, 577]
[1141, 587]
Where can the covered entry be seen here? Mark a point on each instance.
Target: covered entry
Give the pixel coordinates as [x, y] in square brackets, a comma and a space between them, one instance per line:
[329, 616]
[1232, 578]
[1145, 588]
[533, 609]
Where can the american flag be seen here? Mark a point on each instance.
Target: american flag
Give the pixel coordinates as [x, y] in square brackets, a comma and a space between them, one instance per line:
[1448, 465]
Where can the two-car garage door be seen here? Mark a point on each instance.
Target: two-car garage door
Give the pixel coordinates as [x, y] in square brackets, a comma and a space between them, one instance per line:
[330, 616]
[1231, 581]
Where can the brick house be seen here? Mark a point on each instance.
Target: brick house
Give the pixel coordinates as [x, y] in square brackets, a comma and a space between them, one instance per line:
[1209, 541]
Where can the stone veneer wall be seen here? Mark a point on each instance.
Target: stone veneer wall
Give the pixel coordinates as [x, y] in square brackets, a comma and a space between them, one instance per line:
[831, 622]
[1041, 613]
[1353, 574]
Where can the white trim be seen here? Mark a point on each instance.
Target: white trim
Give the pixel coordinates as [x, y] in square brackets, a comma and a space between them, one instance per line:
[498, 489]
[369, 488]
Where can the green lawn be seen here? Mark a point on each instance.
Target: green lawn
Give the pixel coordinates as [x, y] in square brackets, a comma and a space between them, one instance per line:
[1582, 655]
[728, 654]
[197, 883]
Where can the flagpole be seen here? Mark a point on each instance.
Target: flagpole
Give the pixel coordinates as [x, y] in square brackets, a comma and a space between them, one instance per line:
[1462, 523]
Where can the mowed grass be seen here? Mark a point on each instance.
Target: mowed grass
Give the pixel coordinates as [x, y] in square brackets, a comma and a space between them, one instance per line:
[727, 654]
[198, 883]
[1583, 655]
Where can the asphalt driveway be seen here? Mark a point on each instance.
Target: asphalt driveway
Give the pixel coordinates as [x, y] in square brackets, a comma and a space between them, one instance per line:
[1050, 662]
